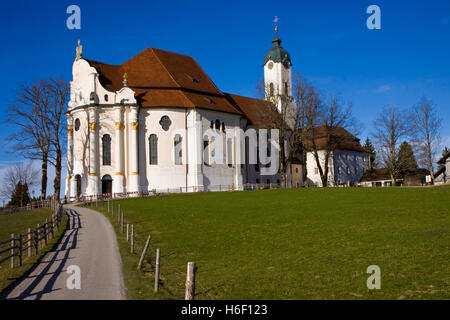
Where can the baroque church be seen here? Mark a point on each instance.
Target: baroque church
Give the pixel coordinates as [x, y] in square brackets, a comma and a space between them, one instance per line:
[139, 127]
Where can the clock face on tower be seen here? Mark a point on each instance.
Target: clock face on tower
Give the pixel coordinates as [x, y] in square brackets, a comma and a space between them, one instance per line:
[270, 65]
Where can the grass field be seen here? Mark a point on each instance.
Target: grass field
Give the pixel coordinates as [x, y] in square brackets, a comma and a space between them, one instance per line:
[19, 222]
[308, 243]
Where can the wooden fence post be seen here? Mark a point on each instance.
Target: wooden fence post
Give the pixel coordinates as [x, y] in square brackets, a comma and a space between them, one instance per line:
[20, 249]
[144, 252]
[45, 232]
[12, 250]
[128, 232]
[158, 252]
[121, 222]
[30, 244]
[118, 214]
[132, 238]
[190, 281]
[36, 241]
[38, 236]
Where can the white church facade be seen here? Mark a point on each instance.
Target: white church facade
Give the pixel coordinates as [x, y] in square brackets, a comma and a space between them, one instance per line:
[139, 126]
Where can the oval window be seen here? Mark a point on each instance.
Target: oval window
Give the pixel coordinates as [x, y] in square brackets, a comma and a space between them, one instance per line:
[77, 124]
[165, 123]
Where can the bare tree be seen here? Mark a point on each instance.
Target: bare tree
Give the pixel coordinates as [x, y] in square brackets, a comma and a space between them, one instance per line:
[427, 125]
[391, 126]
[59, 90]
[29, 112]
[23, 172]
[335, 118]
[282, 114]
[303, 120]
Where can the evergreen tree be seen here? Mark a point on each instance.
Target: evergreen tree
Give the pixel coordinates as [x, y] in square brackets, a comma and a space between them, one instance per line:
[406, 160]
[368, 146]
[20, 196]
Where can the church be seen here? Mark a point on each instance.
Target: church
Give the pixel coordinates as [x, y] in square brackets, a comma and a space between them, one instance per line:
[138, 127]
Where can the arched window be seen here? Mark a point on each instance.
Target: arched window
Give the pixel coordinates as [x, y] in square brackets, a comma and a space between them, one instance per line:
[177, 149]
[271, 89]
[212, 124]
[153, 149]
[106, 97]
[217, 124]
[77, 124]
[286, 89]
[106, 144]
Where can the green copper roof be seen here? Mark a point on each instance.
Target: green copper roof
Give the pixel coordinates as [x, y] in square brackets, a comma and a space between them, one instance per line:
[278, 54]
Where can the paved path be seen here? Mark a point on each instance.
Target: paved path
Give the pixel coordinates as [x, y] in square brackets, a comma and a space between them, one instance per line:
[91, 244]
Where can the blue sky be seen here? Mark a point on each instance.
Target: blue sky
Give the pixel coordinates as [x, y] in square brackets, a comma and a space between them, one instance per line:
[328, 41]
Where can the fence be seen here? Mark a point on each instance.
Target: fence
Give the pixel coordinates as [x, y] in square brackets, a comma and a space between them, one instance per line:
[117, 215]
[34, 204]
[187, 189]
[31, 241]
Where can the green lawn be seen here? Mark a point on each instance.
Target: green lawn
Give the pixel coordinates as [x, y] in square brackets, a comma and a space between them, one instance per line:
[19, 223]
[308, 243]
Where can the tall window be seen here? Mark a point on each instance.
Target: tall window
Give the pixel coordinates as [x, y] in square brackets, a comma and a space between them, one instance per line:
[106, 144]
[286, 89]
[177, 149]
[153, 149]
[271, 89]
[230, 152]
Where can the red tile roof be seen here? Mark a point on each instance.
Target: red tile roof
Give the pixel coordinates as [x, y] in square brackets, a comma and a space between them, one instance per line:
[350, 142]
[165, 79]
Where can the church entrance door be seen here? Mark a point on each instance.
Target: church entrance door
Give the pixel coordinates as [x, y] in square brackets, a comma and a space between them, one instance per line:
[107, 184]
[78, 182]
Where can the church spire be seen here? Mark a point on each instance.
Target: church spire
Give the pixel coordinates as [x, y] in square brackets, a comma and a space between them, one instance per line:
[276, 25]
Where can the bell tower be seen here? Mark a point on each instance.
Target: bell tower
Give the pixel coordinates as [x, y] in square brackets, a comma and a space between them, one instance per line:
[277, 73]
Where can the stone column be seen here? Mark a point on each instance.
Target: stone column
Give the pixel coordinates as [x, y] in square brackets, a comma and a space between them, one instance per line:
[93, 178]
[118, 178]
[134, 153]
[194, 152]
[69, 190]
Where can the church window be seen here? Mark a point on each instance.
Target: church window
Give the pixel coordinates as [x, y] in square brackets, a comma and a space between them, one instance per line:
[217, 124]
[296, 170]
[177, 149]
[206, 152]
[106, 97]
[223, 126]
[77, 124]
[271, 89]
[286, 88]
[230, 152]
[212, 124]
[165, 123]
[153, 149]
[106, 148]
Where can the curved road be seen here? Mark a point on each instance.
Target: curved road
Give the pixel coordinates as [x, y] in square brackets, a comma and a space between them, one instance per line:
[89, 243]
